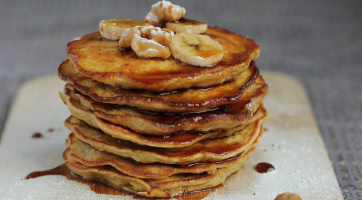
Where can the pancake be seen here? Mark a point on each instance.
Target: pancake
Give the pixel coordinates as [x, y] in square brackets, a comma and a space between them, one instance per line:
[163, 124]
[179, 139]
[214, 149]
[86, 155]
[167, 187]
[192, 100]
[171, 141]
[104, 61]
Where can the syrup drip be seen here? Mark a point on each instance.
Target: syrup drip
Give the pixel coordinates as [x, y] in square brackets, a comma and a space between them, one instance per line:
[37, 135]
[264, 167]
[50, 130]
[55, 171]
[195, 195]
[102, 188]
[188, 21]
[63, 170]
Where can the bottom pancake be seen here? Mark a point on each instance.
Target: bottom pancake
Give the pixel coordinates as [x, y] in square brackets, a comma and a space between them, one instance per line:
[86, 155]
[168, 187]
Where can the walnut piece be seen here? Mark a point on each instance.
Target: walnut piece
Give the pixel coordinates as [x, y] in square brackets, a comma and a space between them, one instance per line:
[287, 196]
[147, 41]
[164, 11]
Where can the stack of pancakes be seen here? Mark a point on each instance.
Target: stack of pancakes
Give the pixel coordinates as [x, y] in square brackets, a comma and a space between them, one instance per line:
[159, 128]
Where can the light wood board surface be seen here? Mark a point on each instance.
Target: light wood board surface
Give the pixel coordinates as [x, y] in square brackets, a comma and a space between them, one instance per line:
[291, 142]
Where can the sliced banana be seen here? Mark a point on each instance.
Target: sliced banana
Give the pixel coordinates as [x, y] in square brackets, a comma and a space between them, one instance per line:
[199, 50]
[187, 26]
[112, 29]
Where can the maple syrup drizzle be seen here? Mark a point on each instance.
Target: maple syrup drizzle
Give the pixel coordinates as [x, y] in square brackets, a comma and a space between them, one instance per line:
[37, 135]
[50, 130]
[200, 194]
[188, 21]
[103, 187]
[264, 167]
[100, 187]
[63, 170]
[55, 171]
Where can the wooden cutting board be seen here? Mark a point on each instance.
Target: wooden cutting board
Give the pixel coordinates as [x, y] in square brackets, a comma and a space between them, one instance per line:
[291, 143]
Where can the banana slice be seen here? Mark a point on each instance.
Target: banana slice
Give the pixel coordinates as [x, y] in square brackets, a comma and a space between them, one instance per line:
[112, 29]
[186, 26]
[199, 50]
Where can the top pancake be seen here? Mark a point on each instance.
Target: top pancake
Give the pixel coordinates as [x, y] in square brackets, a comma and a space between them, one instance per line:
[106, 62]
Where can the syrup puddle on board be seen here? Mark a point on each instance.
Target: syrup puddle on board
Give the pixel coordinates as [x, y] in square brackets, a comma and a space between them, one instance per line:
[102, 188]
[264, 167]
[37, 135]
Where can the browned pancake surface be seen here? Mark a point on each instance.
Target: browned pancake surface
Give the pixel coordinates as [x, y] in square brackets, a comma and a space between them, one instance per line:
[85, 154]
[167, 187]
[176, 140]
[106, 62]
[192, 100]
[162, 124]
[214, 149]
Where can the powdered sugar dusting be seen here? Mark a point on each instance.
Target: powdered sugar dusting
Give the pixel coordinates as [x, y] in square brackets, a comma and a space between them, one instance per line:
[292, 144]
[296, 151]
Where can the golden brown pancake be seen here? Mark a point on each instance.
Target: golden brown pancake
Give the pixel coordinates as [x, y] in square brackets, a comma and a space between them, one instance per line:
[86, 155]
[162, 124]
[212, 149]
[167, 187]
[192, 100]
[171, 141]
[106, 62]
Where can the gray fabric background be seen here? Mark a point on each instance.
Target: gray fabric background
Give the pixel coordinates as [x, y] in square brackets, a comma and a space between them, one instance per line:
[318, 42]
